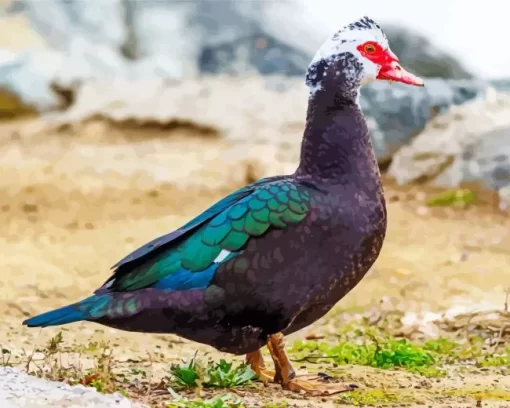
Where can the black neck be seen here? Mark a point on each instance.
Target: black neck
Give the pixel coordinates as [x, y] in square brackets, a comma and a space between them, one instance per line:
[336, 141]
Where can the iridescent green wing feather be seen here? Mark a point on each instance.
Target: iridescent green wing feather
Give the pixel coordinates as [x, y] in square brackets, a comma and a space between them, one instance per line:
[191, 263]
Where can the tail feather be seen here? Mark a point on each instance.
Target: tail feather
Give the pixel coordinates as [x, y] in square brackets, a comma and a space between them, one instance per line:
[63, 315]
[88, 309]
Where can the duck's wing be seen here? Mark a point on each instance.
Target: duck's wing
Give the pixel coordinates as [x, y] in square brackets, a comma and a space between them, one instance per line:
[188, 257]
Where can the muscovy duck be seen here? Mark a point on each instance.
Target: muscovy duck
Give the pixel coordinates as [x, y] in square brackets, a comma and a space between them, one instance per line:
[276, 255]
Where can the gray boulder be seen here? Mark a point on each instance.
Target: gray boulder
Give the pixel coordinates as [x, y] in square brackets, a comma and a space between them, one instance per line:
[400, 112]
[469, 143]
[258, 52]
[488, 159]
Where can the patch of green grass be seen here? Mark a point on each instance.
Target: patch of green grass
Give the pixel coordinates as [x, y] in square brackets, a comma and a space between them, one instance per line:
[498, 395]
[500, 360]
[280, 404]
[459, 197]
[442, 346]
[474, 351]
[376, 397]
[387, 353]
[224, 401]
[218, 375]
[367, 346]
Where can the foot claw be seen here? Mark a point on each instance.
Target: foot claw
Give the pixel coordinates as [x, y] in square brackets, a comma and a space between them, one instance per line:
[313, 386]
[266, 376]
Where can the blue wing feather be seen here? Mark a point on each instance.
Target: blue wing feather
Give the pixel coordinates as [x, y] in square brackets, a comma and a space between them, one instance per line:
[186, 280]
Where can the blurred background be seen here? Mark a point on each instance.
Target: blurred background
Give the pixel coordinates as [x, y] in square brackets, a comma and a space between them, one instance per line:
[121, 119]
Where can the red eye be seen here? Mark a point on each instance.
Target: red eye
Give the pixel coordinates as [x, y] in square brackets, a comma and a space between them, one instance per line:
[369, 48]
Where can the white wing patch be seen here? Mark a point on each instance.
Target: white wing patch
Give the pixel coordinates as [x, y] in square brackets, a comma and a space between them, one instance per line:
[222, 255]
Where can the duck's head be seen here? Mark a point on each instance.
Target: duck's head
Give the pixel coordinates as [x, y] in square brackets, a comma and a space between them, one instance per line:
[356, 55]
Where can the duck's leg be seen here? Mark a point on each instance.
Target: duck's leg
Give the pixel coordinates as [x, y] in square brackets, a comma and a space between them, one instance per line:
[286, 375]
[256, 361]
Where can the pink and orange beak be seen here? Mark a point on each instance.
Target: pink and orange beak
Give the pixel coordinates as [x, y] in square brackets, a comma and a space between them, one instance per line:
[392, 71]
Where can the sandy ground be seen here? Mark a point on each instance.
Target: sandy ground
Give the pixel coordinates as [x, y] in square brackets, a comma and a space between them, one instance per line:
[73, 202]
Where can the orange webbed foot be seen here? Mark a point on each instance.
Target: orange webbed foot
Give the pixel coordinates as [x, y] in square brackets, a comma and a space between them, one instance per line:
[286, 376]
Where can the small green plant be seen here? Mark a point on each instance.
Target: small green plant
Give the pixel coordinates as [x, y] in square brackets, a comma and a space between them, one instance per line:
[224, 401]
[187, 374]
[51, 366]
[219, 375]
[101, 376]
[224, 375]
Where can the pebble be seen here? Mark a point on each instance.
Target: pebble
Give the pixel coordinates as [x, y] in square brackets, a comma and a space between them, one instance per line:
[422, 211]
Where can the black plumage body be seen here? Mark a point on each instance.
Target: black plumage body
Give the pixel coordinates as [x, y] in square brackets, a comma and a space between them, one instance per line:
[288, 278]
[274, 256]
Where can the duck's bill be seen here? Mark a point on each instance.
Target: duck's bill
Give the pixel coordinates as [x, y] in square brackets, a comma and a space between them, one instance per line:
[394, 72]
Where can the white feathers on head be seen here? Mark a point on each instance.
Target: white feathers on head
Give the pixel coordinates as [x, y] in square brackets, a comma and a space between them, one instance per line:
[347, 39]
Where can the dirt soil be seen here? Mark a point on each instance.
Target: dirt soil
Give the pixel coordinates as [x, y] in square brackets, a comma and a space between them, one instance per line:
[75, 201]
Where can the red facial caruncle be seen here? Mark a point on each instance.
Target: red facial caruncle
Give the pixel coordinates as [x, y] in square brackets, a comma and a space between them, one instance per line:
[390, 69]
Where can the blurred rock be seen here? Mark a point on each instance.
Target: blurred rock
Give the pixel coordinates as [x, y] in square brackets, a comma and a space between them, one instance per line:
[85, 42]
[400, 112]
[40, 79]
[183, 34]
[267, 54]
[220, 37]
[124, 41]
[241, 109]
[469, 143]
[28, 79]
[258, 53]
[420, 56]
[258, 110]
[488, 158]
